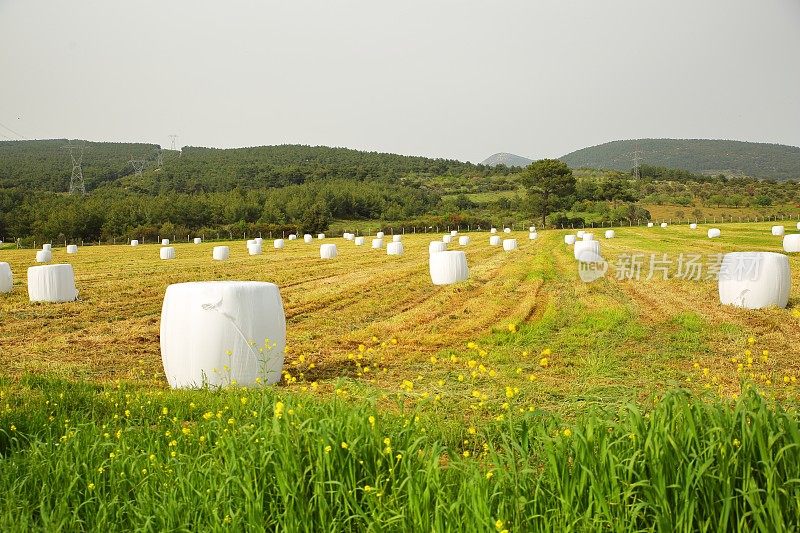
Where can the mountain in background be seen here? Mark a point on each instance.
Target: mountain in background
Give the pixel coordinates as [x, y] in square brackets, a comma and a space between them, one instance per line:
[509, 160]
[704, 156]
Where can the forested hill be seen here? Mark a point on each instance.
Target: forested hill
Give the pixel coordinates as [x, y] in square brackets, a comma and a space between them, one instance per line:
[706, 156]
[45, 165]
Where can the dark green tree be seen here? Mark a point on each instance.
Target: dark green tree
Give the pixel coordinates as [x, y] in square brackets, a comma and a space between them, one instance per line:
[550, 185]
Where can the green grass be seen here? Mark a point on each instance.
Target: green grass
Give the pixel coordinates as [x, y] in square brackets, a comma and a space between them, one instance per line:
[75, 456]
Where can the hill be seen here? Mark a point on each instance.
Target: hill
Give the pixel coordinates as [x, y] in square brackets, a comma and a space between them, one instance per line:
[509, 160]
[706, 156]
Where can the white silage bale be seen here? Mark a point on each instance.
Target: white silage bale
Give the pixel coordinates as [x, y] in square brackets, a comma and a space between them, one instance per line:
[778, 231]
[493, 231]
[259, 241]
[649, 224]
[509, 244]
[532, 229]
[254, 249]
[463, 240]
[164, 242]
[580, 234]
[167, 252]
[52, 283]
[494, 240]
[72, 248]
[663, 224]
[588, 236]
[327, 251]
[358, 241]
[532, 236]
[755, 280]
[397, 238]
[6, 278]
[347, 236]
[307, 238]
[250, 242]
[437, 246]
[220, 253]
[292, 237]
[278, 244]
[586, 251]
[447, 268]
[447, 239]
[377, 244]
[320, 236]
[570, 239]
[453, 233]
[791, 243]
[220, 333]
[610, 234]
[134, 242]
[394, 248]
[48, 247]
[198, 240]
[379, 235]
[798, 225]
[713, 233]
[692, 226]
[506, 230]
[44, 256]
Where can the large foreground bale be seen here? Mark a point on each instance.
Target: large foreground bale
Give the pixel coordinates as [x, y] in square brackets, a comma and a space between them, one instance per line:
[6, 278]
[166, 253]
[327, 251]
[52, 283]
[586, 249]
[220, 253]
[448, 267]
[394, 248]
[754, 280]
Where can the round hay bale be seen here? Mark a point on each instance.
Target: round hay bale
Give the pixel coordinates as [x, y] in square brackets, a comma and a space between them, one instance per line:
[778, 231]
[437, 246]
[198, 240]
[447, 268]
[509, 244]
[664, 224]
[649, 224]
[532, 236]
[359, 241]
[532, 229]
[254, 249]
[397, 238]
[453, 233]
[447, 239]
[713, 233]
[610, 234]
[72, 248]
[278, 244]
[320, 236]
[307, 238]
[217, 333]
[347, 236]
[52, 283]
[791, 243]
[327, 251]
[463, 240]
[377, 244]
[6, 278]
[134, 242]
[586, 249]
[570, 239]
[44, 256]
[580, 234]
[754, 280]
[588, 237]
[166, 253]
[164, 242]
[394, 248]
[494, 240]
[48, 247]
[259, 241]
[506, 230]
[379, 235]
[493, 231]
[692, 226]
[220, 253]
[292, 237]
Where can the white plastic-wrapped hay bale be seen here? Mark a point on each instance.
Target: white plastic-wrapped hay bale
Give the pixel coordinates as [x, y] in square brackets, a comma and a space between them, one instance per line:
[167, 252]
[278, 244]
[447, 239]
[649, 224]
[327, 251]
[347, 236]
[453, 233]
[506, 230]
[254, 249]
[394, 248]
[586, 249]
[72, 249]
[397, 238]
[48, 247]
[52, 283]
[134, 242]
[377, 244]
[610, 234]
[320, 236]
[220, 253]
[307, 238]
[493, 231]
[198, 240]
[509, 244]
[494, 240]
[447, 268]
[463, 240]
[664, 224]
[437, 246]
[259, 241]
[6, 278]
[379, 235]
[532, 236]
[250, 242]
[588, 236]
[292, 237]
[358, 241]
[580, 234]
[713, 233]
[532, 229]
[44, 256]
[692, 226]
[164, 242]
[791, 243]
[754, 280]
[217, 333]
[798, 225]
[778, 231]
[570, 239]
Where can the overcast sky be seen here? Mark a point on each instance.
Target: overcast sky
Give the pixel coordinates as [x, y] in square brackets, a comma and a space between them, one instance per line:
[461, 79]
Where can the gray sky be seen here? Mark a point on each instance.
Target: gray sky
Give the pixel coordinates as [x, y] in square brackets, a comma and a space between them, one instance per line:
[461, 79]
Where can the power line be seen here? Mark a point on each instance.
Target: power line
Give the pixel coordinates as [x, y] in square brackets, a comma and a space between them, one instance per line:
[14, 132]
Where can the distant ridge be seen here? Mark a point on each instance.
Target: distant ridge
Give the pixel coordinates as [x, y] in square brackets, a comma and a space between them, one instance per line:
[706, 156]
[509, 160]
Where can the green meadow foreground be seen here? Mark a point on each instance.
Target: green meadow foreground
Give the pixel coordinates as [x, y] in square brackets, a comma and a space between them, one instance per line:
[522, 399]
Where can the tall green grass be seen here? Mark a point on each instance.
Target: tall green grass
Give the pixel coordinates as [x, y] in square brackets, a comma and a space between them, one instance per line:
[81, 457]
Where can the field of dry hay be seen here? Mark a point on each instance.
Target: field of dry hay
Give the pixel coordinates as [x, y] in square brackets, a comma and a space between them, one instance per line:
[602, 343]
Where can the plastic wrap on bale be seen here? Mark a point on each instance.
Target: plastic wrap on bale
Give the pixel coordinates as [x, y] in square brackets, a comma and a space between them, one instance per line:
[463, 240]
[377, 244]
[754, 280]
[610, 234]
[394, 248]
[448, 267]
[791, 243]
[437, 246]
[72, 249]
[44, 256]
[6, 278]
[220, 253]
[198, 240]
[397, 238]
[584, 248]
[359, 241]
[570, 239]
[778, 231]
[166, 253]
[713, 233]
[327, 251]
[221, 333]
[509, 244]
[52, 283]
